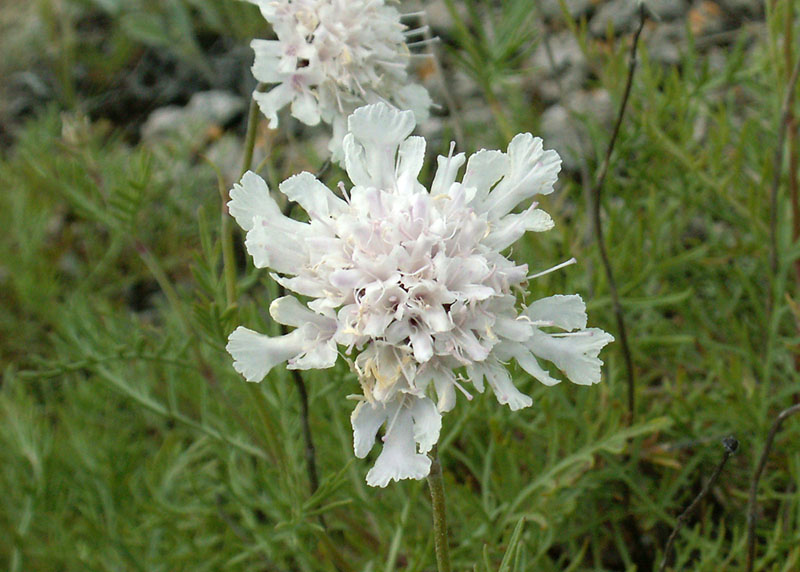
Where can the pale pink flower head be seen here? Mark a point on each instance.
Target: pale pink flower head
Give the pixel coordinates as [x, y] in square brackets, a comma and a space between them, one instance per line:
[410, 284]
[332, 56]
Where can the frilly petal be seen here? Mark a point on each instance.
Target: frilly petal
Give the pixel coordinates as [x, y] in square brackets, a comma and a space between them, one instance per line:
[315, 198]
[531, 171]
[566, 312]
[255, 354]
[250, 198]
[398, 459]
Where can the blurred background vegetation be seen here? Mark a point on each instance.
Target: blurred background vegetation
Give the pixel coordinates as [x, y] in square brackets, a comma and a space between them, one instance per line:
[127, 441]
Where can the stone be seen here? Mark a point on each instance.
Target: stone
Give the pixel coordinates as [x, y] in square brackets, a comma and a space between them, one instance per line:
[665, 42]
[551, 9]
[667, 9]
[620, 15]
[564, 126]
[205, 110]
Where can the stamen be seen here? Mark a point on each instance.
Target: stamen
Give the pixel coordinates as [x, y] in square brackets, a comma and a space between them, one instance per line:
[553, 269]
[425, 42]
[460, 387]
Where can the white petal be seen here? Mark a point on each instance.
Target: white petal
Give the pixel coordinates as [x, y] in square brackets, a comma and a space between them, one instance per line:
[272, 244]
[499, 380]
[416, 98]
[378, 129]
[398, 459]
[446, 173]
[575, 354]
[265, 66]
[510, 228]
[366, 419]
[423, 346]
[273, 100]
[526, 361]
[427, 423]
[305, 108]
[317, 354]
[255, 354]
[289, 311]
[566, 312]
[315, 198]
[250, 198]
[531, 171]
[411, 156]
[484, 169]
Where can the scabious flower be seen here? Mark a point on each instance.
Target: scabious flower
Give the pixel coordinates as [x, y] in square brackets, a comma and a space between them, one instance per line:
[411, 283]
[332, 56]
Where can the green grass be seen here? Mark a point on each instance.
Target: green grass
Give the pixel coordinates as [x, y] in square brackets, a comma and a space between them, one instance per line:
[127, 441]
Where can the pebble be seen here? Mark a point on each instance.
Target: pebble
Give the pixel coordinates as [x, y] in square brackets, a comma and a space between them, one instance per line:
[662, 10]
[205, 109]
[551, 9]
[564, 127]
[620, 15]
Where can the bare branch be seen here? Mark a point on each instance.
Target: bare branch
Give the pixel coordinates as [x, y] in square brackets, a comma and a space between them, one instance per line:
[731, 445]
[598, 227]
[752, 504]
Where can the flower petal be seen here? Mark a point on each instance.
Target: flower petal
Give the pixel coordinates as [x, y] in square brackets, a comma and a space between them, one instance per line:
[427, 423]
[575, 353]
[566, 312]
[531, 171]
[484, 169]
[255, 354]
[510, 228]
[499, 380]
[273, 244]
[399, 458]
[272, 101]
[305, 108]
[410, 158]
[265, 66]
[378, 130]
[366, 419]
[315, 198]
[250, 198]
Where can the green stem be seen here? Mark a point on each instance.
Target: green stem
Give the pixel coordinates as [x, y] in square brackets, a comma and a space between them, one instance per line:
[252, 129]
[436, 485]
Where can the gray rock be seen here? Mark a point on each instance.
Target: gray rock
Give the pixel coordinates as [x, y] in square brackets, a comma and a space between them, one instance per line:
[566, 55]
[666, 42]
[751, 8]
[566, 72]
[621, 15]
[204, 110]
[552, 8]
[667, 9]
[566, 127]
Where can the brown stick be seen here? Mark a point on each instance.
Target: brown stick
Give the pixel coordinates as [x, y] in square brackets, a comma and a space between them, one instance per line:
[598, 227]
[731, 445]
[751, 505]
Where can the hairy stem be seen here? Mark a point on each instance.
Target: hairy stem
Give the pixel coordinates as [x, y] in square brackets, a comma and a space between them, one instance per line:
[440, 539]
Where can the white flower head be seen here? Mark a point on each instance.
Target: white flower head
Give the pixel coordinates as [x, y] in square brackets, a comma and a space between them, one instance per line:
[332, 56]
[412, 282]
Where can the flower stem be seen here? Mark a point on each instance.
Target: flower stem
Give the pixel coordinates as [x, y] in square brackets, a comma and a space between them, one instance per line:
[436, 485]
[252, 129]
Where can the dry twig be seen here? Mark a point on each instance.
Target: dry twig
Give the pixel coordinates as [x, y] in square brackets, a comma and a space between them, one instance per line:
[731, 445]
[598, 227]
[751, 505]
